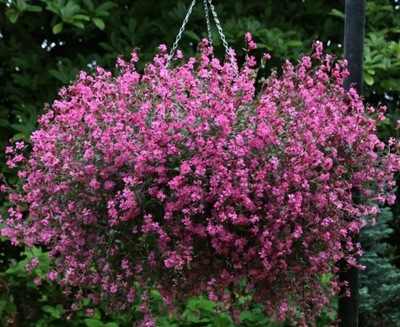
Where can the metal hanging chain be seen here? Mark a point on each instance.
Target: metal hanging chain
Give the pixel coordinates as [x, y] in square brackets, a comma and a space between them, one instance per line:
[219, 28]
[205, 3]
[179, 36]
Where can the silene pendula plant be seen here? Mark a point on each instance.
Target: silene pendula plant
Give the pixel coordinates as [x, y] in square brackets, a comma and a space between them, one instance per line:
[187, 181]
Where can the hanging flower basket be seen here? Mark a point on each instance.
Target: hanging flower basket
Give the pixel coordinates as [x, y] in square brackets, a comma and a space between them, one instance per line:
[188, 181]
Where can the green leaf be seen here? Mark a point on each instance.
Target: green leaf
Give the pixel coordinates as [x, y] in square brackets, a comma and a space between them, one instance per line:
[96, 314]
[20, 4]
[58, 75]
[111, 324]
[246, 315]
[89, 4]
[10, 307]
[201, 304]
[224, 322]
[33, 8]
[192, 35]
[326, 278]
[337, 13]
[86, 302]
[99, 23]
[54, 312]
[104, 7]
[69, 10]
[106, 46]
[81, 17]
[2, 306]
[19, 137]
[368, 79]
[12, 15]
[57, 28]
[93, 323]
[78, 24]
[53, 7]
[294, 43]
[4, 123]
[156, 294]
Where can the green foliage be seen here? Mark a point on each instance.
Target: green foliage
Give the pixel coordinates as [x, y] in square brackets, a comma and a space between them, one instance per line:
[69, 12]
[44, 305]
[380, 282]
[20, 298]
[382, 47]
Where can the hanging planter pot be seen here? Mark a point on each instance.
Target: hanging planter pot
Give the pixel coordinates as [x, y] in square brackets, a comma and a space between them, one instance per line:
[187, 181]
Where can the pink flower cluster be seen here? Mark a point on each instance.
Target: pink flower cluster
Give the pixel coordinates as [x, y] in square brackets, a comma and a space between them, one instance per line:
[188, 181]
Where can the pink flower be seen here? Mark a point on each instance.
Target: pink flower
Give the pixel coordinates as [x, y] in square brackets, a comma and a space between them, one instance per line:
[162, 48]
[35, 262]
[263, 130]
[248, 37]
[52, 275]
[109, 185]
[185, 168]
[266, 57]
[113, 288]
[328, 163]
[89, 312]
[38, 281]
[88, 155]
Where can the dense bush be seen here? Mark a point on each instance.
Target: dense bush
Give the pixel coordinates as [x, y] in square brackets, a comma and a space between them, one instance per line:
[380, 282]
[186, 176]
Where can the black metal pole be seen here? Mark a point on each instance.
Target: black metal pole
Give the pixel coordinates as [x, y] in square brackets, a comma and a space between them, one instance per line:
[354, 32]
[354, 53]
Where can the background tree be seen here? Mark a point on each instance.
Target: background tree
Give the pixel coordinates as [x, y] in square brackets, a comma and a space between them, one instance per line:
[44, 44]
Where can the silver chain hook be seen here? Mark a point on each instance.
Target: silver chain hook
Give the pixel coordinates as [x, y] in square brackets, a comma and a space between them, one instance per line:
[223, 39]
[179, 36]
[219, 28]
[205, 3]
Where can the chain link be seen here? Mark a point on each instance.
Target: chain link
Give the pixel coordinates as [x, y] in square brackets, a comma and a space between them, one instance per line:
[205, 3]
[179, 36]
[219, 28]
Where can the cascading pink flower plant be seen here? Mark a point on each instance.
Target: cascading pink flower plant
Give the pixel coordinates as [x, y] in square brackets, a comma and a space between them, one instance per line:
[186, 180]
